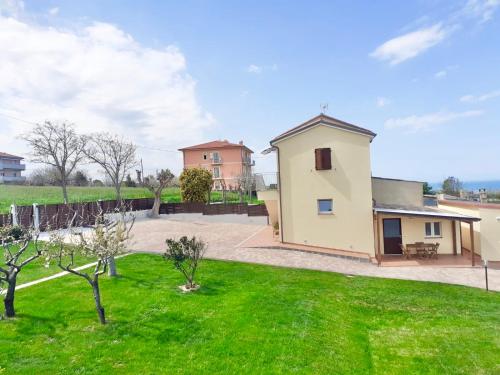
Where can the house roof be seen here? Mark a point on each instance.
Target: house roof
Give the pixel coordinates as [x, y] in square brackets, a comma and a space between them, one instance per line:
[422, 211]
[5, 155]
[325, 120]
[468, 204]
[215, 144]
[396, 179]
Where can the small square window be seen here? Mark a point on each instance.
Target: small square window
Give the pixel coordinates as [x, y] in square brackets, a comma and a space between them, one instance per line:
[204, 156]
[325, 206]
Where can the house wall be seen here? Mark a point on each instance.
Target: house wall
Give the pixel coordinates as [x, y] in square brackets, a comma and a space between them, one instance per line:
[490, 233]
[270, 198]
[231, 167]
[406, 193]
[413, 230]
[465, 228]
[348, 184]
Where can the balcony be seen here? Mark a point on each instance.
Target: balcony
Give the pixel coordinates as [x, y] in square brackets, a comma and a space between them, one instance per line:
[216, 161]
[12, 166]
[249, 162]
[12, 179]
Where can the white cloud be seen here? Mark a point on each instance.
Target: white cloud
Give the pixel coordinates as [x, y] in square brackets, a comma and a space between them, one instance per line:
[100, 78]
[482, 9]
[416, 123]
[441, 74]
[254, 69]
[11, 7]
[410, 45]
[480, 98]
[257, 69]
[54, 11]
[382, 102]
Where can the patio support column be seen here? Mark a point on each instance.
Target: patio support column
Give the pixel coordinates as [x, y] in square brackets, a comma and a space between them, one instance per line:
[454, 236]
[379, 255]
[472, 252]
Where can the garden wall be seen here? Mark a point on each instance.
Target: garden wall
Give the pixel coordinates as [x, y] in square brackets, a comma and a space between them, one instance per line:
[56, 216]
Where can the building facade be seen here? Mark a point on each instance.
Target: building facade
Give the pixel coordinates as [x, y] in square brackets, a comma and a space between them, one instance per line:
[230, 163]
[11, 169]
[326, 197]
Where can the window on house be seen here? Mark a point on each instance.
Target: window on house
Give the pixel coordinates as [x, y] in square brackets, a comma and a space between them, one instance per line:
[433, 229]
[215, 157]
[323, 157]
[325, 206]
[204, 156]
[216, 172]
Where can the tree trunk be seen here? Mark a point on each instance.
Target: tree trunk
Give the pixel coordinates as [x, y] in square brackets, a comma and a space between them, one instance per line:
[64, 190]
[118, 192]
[155, 211]
[97, 298]
[9, 297]
[112, 267]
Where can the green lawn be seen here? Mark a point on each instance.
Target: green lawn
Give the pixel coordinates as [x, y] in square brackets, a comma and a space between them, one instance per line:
[37, 269]
[27, 195]
[251, 319]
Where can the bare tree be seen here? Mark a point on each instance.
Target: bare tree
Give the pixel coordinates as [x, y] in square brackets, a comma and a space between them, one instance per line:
[245, 184]
[156, 186]
[107, 239]
[59, 146]
[15, 244]
[186, 255]
[113, 154]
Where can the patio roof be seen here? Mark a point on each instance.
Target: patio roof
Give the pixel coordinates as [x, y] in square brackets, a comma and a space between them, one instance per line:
[422, 211]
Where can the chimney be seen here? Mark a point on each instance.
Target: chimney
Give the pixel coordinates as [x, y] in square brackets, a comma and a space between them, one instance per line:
[240, 143]
[483, 196]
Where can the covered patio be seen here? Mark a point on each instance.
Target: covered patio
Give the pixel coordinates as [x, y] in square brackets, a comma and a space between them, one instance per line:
[415, 236]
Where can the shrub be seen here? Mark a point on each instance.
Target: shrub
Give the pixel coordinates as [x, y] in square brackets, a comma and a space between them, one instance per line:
[196, 184]
[186, 255]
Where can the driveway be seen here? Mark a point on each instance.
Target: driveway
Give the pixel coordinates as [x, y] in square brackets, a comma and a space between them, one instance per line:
[227, 235]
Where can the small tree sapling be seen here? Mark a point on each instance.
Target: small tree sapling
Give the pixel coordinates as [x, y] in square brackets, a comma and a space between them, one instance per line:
[107, 239]
[186, 255]
[15, 243]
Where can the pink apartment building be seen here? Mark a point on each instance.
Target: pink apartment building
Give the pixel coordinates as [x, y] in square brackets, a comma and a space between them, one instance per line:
[228, 162]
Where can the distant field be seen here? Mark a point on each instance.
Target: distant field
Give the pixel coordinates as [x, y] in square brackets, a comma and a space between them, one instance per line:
[27, 195]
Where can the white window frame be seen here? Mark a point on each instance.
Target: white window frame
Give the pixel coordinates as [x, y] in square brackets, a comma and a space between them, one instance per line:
[433, 232]
[325, 212]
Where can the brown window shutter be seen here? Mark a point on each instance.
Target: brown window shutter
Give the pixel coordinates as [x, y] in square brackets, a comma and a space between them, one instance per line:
[318, 158]
[323, 158]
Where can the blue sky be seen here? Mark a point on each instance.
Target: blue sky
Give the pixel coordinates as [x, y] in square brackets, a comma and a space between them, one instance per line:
[423, 75]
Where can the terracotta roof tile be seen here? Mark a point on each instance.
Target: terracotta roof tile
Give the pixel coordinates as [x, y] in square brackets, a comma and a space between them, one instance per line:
[214, 144]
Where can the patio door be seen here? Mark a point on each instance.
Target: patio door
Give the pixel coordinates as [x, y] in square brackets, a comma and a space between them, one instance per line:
[392, 236]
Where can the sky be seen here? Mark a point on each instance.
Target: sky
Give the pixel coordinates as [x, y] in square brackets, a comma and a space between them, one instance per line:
[424, 75]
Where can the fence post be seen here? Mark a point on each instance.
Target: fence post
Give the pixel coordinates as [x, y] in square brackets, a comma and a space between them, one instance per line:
[13, 212]
[36, 216]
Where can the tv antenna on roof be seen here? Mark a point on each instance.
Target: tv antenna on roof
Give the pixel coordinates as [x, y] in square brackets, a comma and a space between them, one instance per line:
[323, 107]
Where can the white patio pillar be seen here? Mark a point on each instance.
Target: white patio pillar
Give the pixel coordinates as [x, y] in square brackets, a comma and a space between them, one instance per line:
[36, 216]
[13, 212]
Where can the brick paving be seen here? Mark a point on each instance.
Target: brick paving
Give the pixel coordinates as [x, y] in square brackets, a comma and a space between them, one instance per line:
[233, 237]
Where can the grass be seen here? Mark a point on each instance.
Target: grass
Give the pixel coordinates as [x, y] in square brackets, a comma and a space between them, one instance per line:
[249, 319]
[37, 269]
[27, 195]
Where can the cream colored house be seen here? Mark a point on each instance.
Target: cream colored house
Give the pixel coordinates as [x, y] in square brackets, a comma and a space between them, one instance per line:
[486, 232]
[326, 196]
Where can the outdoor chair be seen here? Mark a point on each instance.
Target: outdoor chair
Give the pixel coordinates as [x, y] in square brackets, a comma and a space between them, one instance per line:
[405, 250]
[432, 251]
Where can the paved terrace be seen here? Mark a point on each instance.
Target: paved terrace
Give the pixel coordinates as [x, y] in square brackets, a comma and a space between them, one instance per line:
[239, 238]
